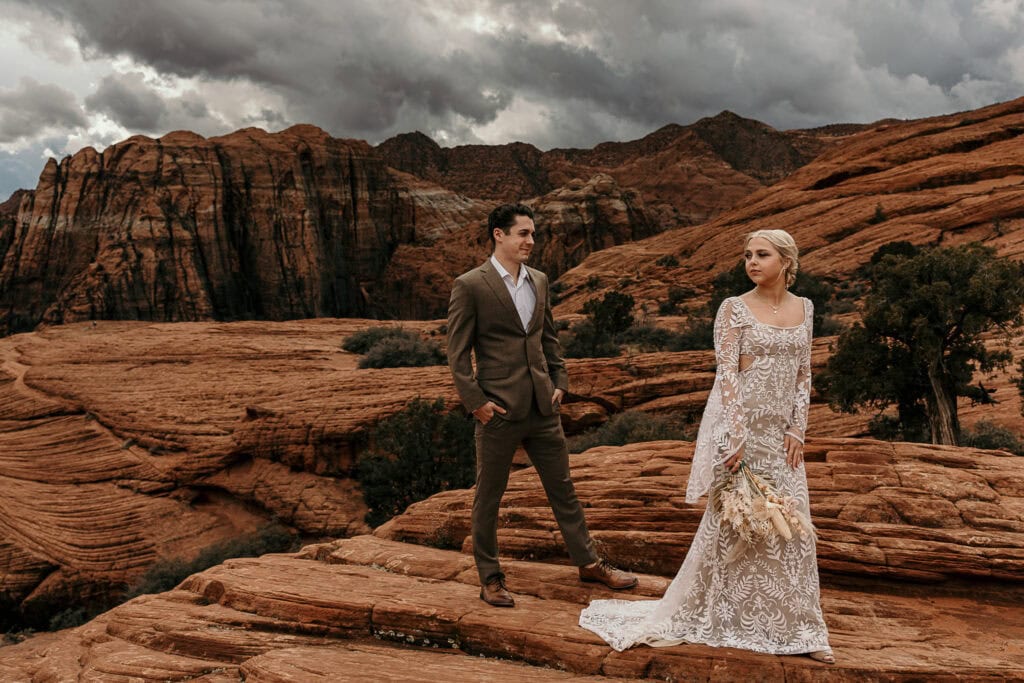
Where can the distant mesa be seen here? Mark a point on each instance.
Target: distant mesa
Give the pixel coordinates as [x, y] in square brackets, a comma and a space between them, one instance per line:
[297, 224]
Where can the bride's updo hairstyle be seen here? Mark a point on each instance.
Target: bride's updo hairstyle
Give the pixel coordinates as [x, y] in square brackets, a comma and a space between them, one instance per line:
[786, 246]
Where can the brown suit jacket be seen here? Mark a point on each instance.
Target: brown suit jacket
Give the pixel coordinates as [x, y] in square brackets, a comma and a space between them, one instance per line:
[514, 367]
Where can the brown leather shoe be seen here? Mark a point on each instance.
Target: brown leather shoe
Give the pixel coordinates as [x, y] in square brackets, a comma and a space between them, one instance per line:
[494, 593]
[602, 572]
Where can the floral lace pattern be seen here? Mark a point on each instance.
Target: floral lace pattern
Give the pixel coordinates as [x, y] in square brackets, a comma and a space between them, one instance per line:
[766, 598]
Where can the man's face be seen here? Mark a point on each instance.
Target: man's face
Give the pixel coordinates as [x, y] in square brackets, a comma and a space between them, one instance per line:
[517, 245]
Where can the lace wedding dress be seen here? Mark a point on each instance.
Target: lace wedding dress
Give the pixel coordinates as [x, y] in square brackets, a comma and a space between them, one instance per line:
[766, 599]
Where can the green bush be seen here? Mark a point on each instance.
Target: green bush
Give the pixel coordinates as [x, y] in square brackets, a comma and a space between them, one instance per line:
[166, 574]
[878, 217]
[698, 334]
[828, 327]
[595, 337]
[676, 296]
[987, 434]
[613, 313]
[585, 340]
[414, 454]
[631, 426]
[71, 617]
[556, 289]
[648, 338]
[402, 352]
[361, 341]
[890, 428]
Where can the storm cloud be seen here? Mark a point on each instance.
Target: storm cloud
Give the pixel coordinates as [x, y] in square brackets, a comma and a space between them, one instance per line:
[32, 109]
[563, 73]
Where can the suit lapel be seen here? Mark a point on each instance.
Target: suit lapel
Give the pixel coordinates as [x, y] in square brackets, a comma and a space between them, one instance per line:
[541, 292]
[499, 290]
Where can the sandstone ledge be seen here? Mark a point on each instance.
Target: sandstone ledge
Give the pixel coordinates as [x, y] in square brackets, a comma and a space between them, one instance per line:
[889, 510]
[371, 609]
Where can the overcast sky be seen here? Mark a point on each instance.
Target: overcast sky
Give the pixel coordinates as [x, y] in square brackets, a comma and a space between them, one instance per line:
[571, 73]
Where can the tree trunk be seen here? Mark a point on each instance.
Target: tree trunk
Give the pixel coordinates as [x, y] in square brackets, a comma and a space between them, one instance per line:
[942, 415]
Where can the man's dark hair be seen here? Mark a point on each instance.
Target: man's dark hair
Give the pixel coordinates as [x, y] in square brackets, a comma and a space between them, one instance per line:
[504, 217]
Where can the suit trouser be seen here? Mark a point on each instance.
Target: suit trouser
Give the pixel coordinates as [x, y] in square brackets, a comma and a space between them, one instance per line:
[544, 441]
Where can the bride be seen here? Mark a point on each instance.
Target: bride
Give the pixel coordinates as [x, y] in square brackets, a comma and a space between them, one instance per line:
[762, 595]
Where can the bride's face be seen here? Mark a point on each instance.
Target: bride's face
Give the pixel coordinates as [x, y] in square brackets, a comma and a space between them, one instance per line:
[763, 262]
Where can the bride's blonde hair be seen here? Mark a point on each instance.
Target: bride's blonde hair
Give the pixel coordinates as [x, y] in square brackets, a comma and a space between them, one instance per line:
[786, 246]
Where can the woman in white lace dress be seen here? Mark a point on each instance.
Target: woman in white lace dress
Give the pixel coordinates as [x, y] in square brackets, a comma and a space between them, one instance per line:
[729, 593]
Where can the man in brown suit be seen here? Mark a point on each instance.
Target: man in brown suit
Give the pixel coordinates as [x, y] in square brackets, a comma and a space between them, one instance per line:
[501, 313]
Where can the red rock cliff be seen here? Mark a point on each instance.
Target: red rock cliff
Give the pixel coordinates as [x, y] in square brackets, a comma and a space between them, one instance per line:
[251, 225]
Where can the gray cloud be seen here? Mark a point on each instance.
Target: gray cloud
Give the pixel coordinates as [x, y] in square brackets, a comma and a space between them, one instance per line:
[562, 73]
[127, 99]
[34, 108]
[373, 69]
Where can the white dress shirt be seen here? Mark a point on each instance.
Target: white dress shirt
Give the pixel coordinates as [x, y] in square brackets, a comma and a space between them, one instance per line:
[523, 293]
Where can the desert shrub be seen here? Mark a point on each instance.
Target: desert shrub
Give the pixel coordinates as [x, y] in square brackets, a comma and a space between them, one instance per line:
[891, 428]
[593, 282]
[919, 342]
[828, 327]
[71, 617]
[168, 573]
[631, 426]
[361, 341]
[414, 454]
[667, 261]
[648, 338]
[877, 217]
[613, 313]
[698, 333]
[987, 434]
[402, 352]
[556, 289]
[585, 340]
[595, 336]
[676, 296]
[844, 306]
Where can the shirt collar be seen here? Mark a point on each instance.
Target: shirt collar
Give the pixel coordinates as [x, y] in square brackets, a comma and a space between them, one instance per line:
[524, 273]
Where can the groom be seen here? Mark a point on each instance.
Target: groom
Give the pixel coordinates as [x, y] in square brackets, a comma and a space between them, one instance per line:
[501, 313]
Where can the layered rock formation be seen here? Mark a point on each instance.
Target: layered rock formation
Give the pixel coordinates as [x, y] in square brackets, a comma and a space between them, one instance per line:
[944, 180]
[369, 607]
[685, 174]
[250, 225]
[185, 434]
[572, 222]
[902, 511]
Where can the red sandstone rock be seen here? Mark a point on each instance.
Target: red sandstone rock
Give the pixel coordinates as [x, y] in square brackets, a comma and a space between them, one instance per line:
[367, 608]
[248, 225]
[189, 433]
[900, 511]
[949, 179]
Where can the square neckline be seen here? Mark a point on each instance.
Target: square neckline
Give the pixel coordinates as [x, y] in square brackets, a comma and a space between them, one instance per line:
[776, 327]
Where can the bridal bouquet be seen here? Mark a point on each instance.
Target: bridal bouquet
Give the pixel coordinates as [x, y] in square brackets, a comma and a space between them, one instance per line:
[750, 504]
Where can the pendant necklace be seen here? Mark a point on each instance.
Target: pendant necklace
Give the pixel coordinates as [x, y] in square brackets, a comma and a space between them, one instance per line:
[774, 307]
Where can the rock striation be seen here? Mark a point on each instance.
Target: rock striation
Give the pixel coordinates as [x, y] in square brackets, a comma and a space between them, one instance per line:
[369, 607]
[126, 443]
[295, 224]
[685, 174]
[944, 180]
[572, 222]
[186, 434]
[910, 512]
